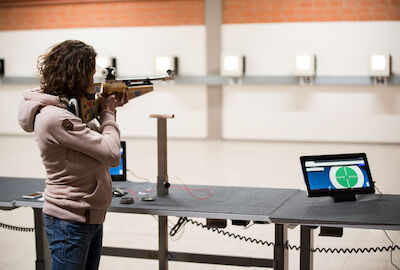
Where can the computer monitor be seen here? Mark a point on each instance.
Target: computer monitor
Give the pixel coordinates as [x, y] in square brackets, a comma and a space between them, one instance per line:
[118, 173]
[337, 174]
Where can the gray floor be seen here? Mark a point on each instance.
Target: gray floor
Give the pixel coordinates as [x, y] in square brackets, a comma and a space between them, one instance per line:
[234, 163]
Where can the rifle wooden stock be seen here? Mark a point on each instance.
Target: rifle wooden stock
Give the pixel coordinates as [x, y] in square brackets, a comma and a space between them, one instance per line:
[90, 108]
[135, 91]
[132, 91]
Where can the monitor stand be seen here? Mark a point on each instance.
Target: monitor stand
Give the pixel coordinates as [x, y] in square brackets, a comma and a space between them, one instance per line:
[343, 197]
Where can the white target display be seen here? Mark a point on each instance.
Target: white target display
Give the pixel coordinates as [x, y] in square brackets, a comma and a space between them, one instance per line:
[346, 177]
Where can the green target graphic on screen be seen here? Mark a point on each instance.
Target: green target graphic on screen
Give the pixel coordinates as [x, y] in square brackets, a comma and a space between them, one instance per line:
[346, 177]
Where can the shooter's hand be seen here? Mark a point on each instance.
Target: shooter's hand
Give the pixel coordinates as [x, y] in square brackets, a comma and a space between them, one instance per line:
[123, 100]
[108, 103]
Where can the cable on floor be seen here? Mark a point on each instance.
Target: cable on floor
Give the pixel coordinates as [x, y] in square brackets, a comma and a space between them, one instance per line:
[16, 228]
[391, 251]
[183, 220]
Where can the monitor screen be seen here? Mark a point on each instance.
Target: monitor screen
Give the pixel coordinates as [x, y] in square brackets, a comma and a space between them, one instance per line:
[337, 173]
[118, 173]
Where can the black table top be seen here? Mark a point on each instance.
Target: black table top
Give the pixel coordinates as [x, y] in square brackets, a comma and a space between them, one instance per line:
[192, 201]
[281, 206]
[12, 188]
[368, 211]
[223, 202]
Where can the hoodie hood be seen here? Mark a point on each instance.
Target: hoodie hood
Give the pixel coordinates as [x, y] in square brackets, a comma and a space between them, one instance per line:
[33, 101]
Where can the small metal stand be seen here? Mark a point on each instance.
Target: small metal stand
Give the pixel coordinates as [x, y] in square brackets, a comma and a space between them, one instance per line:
[307, 80]
[162, 187]
[343, 197]
[380, 81]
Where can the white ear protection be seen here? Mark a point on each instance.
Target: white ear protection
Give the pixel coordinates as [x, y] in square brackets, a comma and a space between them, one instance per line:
[73, 107]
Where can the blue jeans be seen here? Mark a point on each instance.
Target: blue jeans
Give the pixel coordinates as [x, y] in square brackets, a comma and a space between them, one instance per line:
[73, 245]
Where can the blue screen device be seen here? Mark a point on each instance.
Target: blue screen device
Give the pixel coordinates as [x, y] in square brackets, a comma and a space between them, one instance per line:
[329, 175]
[118, 173]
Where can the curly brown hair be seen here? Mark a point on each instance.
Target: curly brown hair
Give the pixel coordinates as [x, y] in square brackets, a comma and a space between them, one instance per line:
[67, 69]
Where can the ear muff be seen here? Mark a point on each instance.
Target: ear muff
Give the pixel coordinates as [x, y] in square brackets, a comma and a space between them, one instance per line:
[73, 107]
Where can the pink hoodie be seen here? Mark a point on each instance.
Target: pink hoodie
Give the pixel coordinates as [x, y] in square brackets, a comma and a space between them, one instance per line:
[76, 158]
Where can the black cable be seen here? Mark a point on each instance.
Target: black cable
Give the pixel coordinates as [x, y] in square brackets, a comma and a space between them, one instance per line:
[391, 251]
[379, 192]
[288, 246]
[387, 235]
[347, 250]
[223, 232]
[356, 250]
[16, 228]
[181, 222]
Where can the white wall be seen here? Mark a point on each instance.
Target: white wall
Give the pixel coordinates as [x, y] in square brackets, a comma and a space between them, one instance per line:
[319, 113]
[10, 96]
[187, 103]
[331, 113]
[134, 47]
[340, 113]
[341, 48]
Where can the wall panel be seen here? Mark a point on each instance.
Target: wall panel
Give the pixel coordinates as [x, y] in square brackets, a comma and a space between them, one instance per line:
[319, 113]
[341, 48]
[134, 47]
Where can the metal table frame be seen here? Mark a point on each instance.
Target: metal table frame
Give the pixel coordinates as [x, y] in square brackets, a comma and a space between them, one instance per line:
[296, 209]
[279, 262]
[163, 255]
[370, 211]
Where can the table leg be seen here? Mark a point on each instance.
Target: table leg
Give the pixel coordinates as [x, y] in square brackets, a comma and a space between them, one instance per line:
[43, 258]
[306, 245]
[280, 250]
[163, 243]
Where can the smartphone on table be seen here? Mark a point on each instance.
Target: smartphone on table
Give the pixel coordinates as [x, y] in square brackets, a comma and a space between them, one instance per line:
[34, 195]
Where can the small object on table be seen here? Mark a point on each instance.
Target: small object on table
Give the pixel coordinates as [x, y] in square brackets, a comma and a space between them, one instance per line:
[119, 192]
[126, 200]
[148, 199]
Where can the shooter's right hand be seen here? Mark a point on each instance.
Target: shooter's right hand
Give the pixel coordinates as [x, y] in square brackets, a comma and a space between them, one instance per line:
[108, 103]
[124, 99]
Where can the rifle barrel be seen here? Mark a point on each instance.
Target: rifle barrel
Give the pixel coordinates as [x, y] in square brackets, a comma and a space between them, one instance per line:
[170, 76]
[145, 79]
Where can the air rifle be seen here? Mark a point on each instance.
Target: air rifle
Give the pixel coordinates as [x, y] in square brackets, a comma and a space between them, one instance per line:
[87, 108]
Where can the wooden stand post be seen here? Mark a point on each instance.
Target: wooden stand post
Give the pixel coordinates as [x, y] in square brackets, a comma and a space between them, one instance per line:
[162, 178]
[162, 187]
